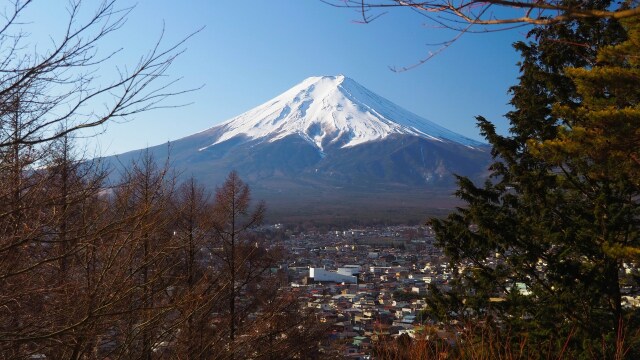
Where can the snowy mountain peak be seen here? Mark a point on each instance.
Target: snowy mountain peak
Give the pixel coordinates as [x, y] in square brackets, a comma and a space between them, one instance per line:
[332, 111]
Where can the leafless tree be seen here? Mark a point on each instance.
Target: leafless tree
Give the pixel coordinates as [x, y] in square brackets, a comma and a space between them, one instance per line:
[63, 252]
[149, 262]
[259, 318]
[455, 14]
[233, 245]
[48, 233]
[199, 286]
[57, 91]
[133, 270]
[482, 16]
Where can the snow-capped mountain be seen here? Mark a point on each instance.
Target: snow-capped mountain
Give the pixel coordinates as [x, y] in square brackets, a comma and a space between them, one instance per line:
[332, 111]
[328, 141]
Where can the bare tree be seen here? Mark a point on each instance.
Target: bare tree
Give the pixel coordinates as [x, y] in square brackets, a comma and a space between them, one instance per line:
[198, 286]
[64, 251]
[259, 317]
[149, 261]
[48, 234]
[70, 197]
[232, 220]
[482, 16]
[56, 91]
[455, 14]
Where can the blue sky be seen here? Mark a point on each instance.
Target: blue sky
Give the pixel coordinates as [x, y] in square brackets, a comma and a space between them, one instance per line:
[250, 51]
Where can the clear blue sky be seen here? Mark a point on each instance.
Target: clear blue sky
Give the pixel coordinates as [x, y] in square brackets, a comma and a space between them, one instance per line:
[252, 50]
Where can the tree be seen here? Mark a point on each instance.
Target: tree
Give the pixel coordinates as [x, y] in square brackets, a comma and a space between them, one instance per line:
[199, 286]
[57, 280]
[61, 248]
[596, 151]
[148, 258]
[553, 234]
[234, 245]
[451, 13]
[56, 91]
[70, 196]
[260, 318]
[132, 270]
[473, 16]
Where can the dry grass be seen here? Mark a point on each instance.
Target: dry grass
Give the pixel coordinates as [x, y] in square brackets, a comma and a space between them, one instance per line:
[480, 342]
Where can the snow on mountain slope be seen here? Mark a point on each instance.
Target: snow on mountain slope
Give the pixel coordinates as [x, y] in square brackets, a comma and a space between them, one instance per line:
[332, 110]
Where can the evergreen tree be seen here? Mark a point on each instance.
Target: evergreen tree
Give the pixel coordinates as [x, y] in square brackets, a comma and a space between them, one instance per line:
[541, 249]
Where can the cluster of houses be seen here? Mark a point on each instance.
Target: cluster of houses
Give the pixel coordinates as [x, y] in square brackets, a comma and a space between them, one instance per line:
[365, 284]
[369, 284]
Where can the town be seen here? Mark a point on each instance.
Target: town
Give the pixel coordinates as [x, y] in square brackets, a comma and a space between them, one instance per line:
[366, 283]
[369, 284]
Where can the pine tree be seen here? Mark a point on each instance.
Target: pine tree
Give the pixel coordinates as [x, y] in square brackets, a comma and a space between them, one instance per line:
[540, 249]
[596, 151]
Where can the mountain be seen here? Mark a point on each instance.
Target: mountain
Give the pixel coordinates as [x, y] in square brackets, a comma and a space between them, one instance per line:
[331, 111]
[329, 142]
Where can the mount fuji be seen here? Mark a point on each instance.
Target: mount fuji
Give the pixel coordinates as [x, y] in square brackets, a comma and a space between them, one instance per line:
[332, 111]
[328, 142]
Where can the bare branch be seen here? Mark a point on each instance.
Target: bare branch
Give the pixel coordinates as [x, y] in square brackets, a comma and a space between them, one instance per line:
[474, 16]
[474, 11]
[60, 85]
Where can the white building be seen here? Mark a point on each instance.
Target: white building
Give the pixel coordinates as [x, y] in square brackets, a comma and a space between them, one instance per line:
[349, 270]
[322, 275]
